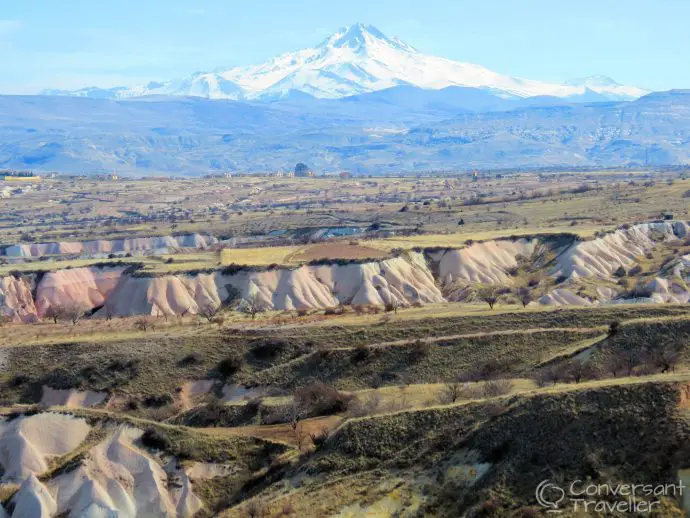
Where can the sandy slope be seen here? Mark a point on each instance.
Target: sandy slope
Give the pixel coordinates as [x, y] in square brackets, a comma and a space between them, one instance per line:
[119, 479]
[602, 256]
[86, 287]
[27, 443]
[402, 280]
[16, 298]
[115, 479]
[33, 500]
[484, 263]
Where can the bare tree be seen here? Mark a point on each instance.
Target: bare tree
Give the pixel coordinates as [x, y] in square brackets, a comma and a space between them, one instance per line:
[74, 312]
[615, 364]
[209, 310]
[524, 295]
[253, 306]
[393, 305]
[142, 324]
[54, 312]
[665, 358]
[108, 310]
[579, 370]
[489, 294]
[452, 391]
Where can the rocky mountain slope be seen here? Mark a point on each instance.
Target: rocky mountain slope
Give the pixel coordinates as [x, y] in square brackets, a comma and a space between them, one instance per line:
[381, 132]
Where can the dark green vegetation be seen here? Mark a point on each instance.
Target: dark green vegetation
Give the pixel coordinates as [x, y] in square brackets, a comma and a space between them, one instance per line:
[487, 458]
[157, 364]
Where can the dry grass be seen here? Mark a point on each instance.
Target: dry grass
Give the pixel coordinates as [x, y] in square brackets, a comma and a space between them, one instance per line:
[282, 433]
[258, 256]
[336, 250]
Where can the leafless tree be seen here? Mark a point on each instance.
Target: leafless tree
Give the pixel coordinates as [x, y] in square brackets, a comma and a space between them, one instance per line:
[253, 306]
[55, 313]
[665, 358]
[142, 324]
[489, 295]
[209, 310]
[524, 295]
[108, 310]
[452, 391]
[74, 312]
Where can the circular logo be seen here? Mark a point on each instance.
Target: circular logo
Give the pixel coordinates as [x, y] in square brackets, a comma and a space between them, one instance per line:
[549, 495]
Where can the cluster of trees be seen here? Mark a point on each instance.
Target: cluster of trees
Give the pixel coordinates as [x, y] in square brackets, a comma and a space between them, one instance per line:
[627, 362]
[490, 294]
[74, 311]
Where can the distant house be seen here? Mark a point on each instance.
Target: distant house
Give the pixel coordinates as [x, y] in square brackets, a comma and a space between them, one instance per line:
[345, 174]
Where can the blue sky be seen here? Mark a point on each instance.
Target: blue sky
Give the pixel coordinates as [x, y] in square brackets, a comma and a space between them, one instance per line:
[75, 43]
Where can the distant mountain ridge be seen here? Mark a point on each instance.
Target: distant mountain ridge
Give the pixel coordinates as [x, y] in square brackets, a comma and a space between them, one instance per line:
[400, 129]
[355, 60]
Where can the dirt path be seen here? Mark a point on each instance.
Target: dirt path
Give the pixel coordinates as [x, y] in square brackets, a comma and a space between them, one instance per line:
[281, 432]
[505, 332]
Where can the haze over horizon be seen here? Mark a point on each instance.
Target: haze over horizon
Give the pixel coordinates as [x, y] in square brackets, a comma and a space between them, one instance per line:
[74, 45]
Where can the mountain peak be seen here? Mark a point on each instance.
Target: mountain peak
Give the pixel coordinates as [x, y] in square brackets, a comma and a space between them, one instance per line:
[356, 59]
[361, 36]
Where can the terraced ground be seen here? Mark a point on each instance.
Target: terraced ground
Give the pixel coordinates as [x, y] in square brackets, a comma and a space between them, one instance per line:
[366, 415]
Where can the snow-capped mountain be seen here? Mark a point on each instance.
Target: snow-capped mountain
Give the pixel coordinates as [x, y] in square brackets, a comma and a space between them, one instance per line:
[355, 60]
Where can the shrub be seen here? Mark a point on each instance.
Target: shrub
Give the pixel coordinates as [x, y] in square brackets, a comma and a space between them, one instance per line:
[158, 400]
[62, 379]
[321, 399]
[257, 509]
[18, 380]
[154, 438]
[420, 350]
[142, 324]
[361, 353]
[269, 348]
[513, 270]
[131, 405]
[635, 270]
[230, 365]
[614, 327]
[319, 439]
[620, 272]
[194, 358]
[493, 388]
